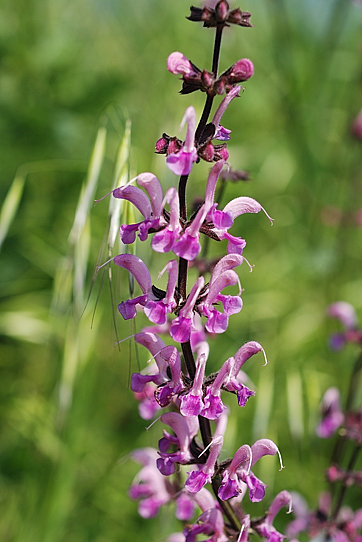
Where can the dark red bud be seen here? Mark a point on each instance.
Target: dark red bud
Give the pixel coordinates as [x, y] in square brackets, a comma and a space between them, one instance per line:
[222, 10]
[161, 146]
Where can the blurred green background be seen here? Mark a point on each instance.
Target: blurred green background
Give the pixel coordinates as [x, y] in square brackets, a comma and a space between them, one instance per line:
[84, 94]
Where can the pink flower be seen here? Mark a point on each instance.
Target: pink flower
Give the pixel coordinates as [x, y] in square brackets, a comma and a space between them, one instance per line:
[181, 163]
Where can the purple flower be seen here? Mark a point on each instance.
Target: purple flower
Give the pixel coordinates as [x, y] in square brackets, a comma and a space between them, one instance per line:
[198, 478]
[174, 385]
[332, 415]
[222, 276]
[265, 526]
[191, 403]
[148, 405]
[213, 405]
[149, 485]
[180, 163]
[179, 424]
[223, 220]
[149, 205]
[185, 506]
[142, 275]
[345, 313]
[210, 523]
[239, 473]
[164, 240]
[232, 383]
[241, 71]
[155, 345]
[155, 309]
[178, 64]
[181, 327]
[221, 133]
[230, 484]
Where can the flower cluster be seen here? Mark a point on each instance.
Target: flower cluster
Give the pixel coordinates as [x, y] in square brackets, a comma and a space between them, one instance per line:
[190, 462]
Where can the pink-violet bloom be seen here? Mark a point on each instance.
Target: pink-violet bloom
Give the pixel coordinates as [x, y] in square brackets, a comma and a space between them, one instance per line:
[223, 220]
[241, 71]
[149, 204]
[185, 429]
[140, 271]
[233, 382]
[165, 240]
[192, 403]
[181, 163]
[221, 133]
[332, 415]
[222, 276]
[209, 523]
[149, 486]
[155, 309]
[174, 384]
[346, 314]
[181, 327]
[148, 405]
[239, 473]
[197, 479]
[265, 527]
[178, 64]
[155, 345]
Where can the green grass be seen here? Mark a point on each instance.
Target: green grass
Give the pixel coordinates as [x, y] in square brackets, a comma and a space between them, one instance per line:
[71, 71]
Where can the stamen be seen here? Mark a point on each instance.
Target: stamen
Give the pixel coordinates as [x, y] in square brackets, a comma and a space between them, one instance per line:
[98, 267]
[125, 339]
[266, 361]
[153, 423]
[281, 462]
[241, 532]
[251, 267]
[214, 440]
[100, 199]
[270, 218]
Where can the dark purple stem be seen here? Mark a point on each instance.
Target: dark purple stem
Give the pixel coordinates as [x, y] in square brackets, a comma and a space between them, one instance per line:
[205, 428]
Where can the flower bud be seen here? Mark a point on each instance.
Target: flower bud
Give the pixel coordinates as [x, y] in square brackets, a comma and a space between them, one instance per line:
[178, 64]
[222, 11]
[207, 79]
[161, 146]
[241, 18]
[221, 153]
[241, 71]
[174, 145]
[207, 153]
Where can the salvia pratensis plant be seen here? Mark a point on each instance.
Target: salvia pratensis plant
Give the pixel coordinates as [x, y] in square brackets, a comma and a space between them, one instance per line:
[188, 467]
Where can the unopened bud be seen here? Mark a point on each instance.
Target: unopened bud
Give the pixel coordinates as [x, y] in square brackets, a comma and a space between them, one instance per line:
[178, 64]
[174, 145]
[241, 18]
[207, 79]
[161, 146]
[220, 152]
[220, 86]
[207, 153]
[241, 71]
[222, 10]
[224, 154]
